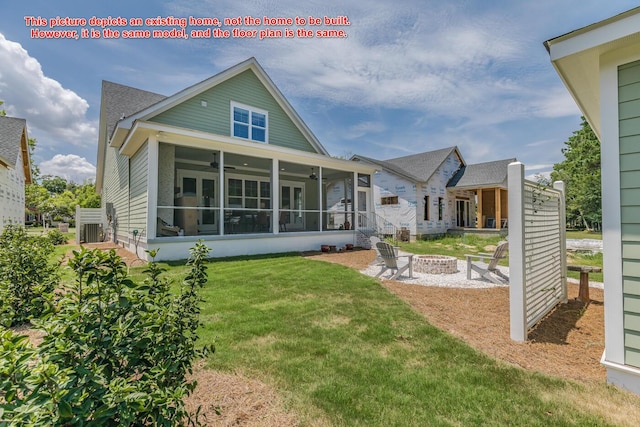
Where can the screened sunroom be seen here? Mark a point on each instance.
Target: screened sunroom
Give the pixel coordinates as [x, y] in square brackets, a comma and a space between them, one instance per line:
[220, 193]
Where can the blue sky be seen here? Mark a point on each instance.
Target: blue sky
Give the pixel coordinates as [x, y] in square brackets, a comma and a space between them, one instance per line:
[411, 76]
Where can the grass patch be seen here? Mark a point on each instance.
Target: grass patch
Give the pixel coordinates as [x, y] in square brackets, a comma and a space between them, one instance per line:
[342, 349]
[455, 246]
[586, 258]
[581, 234]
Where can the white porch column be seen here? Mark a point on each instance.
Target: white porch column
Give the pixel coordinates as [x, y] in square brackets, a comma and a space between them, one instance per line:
[152, 185]
[354, 202]
[320, 198]
[221, 192]
[275, 196]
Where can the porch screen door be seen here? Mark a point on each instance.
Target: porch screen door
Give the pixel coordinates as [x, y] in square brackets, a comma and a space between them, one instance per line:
[292, 200]
[203, 186]
[208, 217]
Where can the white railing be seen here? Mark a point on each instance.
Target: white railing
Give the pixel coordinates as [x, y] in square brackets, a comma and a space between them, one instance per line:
[537, 250]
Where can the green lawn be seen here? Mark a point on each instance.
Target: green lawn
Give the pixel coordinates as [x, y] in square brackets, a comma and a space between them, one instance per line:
[456, 246]
[574, 234]
[343, 351]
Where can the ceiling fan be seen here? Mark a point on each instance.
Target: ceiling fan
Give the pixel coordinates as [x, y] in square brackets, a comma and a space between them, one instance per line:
[313, 175]
[215, 164]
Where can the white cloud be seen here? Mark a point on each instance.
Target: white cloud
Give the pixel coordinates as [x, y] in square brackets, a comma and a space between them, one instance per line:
[438, 59]
[70, 167]
[364, 128]
[555, 102]
[51, 111]
[545, 175]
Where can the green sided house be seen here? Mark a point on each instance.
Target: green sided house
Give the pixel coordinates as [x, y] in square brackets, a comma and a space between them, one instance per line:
[227, 161]
[600, 66]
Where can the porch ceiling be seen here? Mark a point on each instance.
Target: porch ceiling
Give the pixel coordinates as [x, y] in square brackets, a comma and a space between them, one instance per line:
[203, 157]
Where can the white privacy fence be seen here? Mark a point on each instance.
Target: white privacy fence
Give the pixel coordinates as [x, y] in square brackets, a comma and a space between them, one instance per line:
[537, 250]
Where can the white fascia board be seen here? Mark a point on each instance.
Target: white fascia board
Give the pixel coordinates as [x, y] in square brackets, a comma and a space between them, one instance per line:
[601, 33]
[576, 57]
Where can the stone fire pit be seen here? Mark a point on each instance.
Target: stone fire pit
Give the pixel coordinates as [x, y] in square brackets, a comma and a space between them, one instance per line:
[435, 264]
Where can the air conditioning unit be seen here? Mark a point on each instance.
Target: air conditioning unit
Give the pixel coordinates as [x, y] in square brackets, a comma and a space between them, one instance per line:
[92, 233]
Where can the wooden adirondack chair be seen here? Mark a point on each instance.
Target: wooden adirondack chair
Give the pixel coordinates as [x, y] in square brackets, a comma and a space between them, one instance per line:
[390, 261]
[488, 270]
[374, 241]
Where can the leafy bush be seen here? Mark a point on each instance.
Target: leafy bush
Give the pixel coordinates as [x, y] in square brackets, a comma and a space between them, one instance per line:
[114, 353]
[56, 237]
[27, 276]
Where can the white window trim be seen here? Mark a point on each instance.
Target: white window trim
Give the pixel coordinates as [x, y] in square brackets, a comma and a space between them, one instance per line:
[243, 178]
[251, 110]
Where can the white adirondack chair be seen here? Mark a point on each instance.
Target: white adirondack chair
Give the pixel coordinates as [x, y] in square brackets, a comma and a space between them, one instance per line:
[390, 261]
[488, 270]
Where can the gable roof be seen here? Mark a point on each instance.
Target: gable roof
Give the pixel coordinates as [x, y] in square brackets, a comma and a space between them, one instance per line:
[123, 108]
[12, 131]
[488, 174]
[120, 101]
[116, 103]
[415, 167]
[192, 91]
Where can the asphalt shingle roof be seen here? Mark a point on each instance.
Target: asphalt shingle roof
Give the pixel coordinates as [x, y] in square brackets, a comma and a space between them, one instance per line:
[121, 101]
[481, 174]
[11, 129]
[415, 167]
[422, 165]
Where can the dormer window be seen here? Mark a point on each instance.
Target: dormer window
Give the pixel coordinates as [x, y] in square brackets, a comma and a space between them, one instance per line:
[248, 122]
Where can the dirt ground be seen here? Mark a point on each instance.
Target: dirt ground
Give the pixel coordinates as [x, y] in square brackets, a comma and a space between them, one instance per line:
[568, 343]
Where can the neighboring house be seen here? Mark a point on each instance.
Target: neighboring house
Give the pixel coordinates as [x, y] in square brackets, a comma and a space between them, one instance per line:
[600, 66]
[488, 181]
[436, 191]
[15, 169]
[228, 161]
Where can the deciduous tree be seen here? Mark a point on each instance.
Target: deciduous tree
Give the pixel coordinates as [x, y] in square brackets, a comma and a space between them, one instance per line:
[581, 172]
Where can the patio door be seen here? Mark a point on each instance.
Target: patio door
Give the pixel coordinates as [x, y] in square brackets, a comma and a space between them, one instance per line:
[202, 185]
[208, 197]
[292, 205]
[462, 213]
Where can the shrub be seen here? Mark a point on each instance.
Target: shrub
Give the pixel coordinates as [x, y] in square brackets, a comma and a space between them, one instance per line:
[114, 353]
[56, 237]
[27, 276]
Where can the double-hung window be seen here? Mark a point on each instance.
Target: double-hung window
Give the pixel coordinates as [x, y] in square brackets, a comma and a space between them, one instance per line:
[249, 122]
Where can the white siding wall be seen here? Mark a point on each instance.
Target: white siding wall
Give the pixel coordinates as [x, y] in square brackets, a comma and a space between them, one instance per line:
[12, 194]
